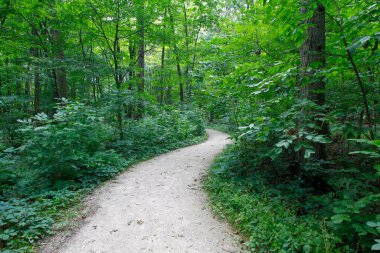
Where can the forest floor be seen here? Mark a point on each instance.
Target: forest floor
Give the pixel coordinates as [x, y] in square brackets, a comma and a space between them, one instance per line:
[155, 206]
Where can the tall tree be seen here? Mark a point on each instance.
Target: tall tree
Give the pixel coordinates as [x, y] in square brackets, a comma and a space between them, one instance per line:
[60, 72]
[177, 56]
[313, 59]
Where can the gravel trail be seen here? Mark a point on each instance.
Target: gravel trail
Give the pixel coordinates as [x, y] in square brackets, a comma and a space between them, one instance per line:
[156, 206]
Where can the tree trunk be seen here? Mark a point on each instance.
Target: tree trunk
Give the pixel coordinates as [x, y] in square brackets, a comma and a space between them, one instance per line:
[162, 75]
[187, 68]
[118, 73]
[37, 79]
[132, 59]
[141, 56]
[178, 62]
[60, 71]
[313, 59]
[27, 93]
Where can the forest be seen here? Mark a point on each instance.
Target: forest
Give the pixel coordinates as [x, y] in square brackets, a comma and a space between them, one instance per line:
[91, 87]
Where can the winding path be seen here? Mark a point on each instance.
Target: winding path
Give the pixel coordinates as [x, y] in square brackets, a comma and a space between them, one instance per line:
[157, 206]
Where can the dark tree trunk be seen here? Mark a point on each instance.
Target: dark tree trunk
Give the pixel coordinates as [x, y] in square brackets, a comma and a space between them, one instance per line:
[60, 71]
[141, 57]
[187, 68]
[313, 59]
[163, 65]
[27, 94]
[162, 75]
[37, 80]
[118, 76]
[132, 60]
[118, 80]
[131, 73]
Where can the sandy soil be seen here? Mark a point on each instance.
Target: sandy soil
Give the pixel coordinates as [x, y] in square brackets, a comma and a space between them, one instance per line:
[155, 206]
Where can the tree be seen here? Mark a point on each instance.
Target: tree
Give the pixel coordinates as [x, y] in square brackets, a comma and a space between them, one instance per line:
[313, 60]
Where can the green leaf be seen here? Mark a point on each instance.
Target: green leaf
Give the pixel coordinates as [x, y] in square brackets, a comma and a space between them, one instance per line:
[359, 43]
[4, 237]
[376, 247]
[284, 144]
[308, 153]
[339, 218]
[373, 224]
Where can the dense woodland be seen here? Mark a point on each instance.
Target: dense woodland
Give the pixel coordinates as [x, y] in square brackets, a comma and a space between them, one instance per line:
[89, 87]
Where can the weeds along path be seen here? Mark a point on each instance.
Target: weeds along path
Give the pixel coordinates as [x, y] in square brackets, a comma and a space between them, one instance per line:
[156, 206]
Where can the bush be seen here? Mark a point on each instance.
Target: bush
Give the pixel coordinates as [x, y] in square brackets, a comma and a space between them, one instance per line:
[153, 135]
[270, 223]
[23, 221]
[67, 146]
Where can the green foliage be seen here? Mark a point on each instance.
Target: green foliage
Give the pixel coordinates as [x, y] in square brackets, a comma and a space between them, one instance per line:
[270, 222]
[23, 221]
[48, 150]
[155, 135]
[295, 145]
[21, 224]
[64, 156]
[240, 62]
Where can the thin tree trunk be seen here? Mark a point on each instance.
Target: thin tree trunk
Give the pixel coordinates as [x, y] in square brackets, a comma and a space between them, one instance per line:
[37, 91]
[178, 61]
[141, 57]
[187, 43]
[37, 80]
[359, 80]
[162, 75]
[27, 93]
[132, 59]
[194, 55]
[118, 75]
[163, 65]
[363, 91]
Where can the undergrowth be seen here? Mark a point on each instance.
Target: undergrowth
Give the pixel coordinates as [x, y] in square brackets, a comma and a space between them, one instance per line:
[261, 214]
[62, 158]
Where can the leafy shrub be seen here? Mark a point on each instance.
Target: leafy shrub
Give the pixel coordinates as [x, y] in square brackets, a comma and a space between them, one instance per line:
[23, 221]
[348, 209]
[67, 146]
[21, 224]
[270, 223]
[7, 175]
[153, 135]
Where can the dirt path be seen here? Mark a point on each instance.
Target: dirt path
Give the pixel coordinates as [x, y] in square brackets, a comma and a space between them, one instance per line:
[157, 206]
